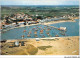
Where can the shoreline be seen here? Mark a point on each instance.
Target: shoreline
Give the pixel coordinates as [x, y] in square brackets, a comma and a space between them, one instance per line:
[41, 38]
[53, 22]
[48, 23]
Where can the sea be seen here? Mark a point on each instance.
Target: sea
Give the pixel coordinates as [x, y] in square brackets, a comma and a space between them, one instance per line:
[72, 29]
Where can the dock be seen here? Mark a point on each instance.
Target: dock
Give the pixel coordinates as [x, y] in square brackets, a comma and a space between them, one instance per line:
[61, 28]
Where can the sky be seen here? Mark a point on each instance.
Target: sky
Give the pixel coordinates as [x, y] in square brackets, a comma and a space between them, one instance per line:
[39, 2]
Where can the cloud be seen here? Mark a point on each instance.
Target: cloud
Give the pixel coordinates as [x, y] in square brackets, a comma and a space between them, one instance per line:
[39, 2]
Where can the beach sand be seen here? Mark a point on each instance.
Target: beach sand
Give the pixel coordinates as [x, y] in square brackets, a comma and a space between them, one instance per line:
[57, 46]
[52, 22]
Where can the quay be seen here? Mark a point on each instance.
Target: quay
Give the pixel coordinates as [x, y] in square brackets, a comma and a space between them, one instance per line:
[61, 28]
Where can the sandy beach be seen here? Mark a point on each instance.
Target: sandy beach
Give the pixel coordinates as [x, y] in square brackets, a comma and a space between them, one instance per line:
[53, 22]
[54, 46]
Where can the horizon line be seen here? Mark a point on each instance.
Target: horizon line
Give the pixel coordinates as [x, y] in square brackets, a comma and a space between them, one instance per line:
[37, 5]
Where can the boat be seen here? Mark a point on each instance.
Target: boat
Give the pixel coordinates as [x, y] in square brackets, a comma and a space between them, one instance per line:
[35, 32]
[36, 36]
[56, 35]
[58, 28]
[63, 28]
[44, 27]
[22, 36]
[24, 31]
[33, 28]
[47, 33]
[41, 31]
[36, 29]
[63, 34]
[43, 36]
[48, 29]
[28, 36]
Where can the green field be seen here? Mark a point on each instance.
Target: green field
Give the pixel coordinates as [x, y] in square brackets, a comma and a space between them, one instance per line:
[51, 11]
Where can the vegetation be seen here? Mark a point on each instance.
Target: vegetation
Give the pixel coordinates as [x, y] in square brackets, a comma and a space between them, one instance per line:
[44, 47]
[44, 11]
[31, 49]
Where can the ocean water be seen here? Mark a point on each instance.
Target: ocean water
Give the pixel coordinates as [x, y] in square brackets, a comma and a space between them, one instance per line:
[72, 27]
[72, 30]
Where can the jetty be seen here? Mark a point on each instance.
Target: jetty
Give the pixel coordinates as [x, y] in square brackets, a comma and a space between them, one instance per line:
[61, 28]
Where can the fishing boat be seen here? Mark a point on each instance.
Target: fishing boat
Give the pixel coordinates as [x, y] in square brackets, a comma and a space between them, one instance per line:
[22, 36]
[41, 31]
[43, 36]
[58, 28]
[35, 32]
[48, 29]
[56, 35]
[44, 27]
[40, 28]
[24, 31]
[28, 35]
[36, 36]
[63, 28]
[47, 33]
[36, 29]
[63, 34]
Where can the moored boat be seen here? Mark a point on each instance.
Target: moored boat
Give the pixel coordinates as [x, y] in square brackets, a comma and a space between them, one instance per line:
[28, 36]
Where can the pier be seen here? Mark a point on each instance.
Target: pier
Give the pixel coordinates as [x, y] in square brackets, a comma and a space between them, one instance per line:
[61, 28]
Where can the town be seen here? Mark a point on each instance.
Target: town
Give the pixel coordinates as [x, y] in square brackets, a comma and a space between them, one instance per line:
[17, 18]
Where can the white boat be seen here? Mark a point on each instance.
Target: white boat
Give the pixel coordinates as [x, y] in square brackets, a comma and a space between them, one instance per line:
[63, 28]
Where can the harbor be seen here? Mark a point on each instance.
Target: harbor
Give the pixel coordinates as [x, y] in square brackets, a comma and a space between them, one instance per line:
[41, 31]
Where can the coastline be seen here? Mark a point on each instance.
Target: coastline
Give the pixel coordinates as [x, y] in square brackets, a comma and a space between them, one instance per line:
[47, 23]
[52, 22]
[40, 38]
